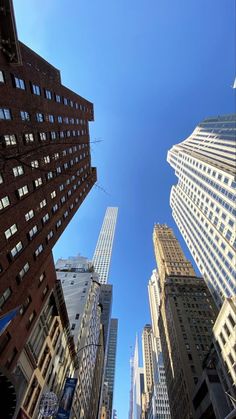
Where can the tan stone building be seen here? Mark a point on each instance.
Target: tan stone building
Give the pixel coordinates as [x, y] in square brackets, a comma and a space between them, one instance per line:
[187, 315]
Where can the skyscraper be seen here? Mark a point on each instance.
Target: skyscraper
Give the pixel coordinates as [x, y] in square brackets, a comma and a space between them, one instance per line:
[187, 314]
[159, 403]
[111, 362]
[148, 366]
[103, 250]
[101, 263]
[137, 387]
[82, 292]
[45, 174]
[203, 201]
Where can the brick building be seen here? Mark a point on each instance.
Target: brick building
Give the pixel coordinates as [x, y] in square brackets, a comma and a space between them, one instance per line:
[45, 174]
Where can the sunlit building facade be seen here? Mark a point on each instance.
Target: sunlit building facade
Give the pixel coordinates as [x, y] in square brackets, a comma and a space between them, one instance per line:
[203, 201]
[103, 250]
[187, 315]
[159, 402]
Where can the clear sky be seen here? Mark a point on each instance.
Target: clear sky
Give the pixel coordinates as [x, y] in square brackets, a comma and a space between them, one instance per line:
[153, 69]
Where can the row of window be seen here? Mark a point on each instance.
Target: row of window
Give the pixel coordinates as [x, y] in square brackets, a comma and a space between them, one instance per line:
[24, 190]
[19, 170]
[6, 113]
[20, 83]
[18, 247]
[214, 265]
[29, 138]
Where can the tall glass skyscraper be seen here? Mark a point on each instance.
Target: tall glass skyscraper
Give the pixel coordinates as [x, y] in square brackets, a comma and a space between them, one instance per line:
[203, 201]
[102, 254]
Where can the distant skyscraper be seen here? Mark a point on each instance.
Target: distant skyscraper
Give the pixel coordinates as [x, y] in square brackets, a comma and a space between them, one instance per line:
[203, 201]
[137, 387]
[147, 347]
[187, 314]
[160, 402]
[103, 251]
[111, 361]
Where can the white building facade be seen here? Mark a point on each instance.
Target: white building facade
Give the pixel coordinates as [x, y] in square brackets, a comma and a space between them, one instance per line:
[81, 292]
[103, 250]
[203, 201]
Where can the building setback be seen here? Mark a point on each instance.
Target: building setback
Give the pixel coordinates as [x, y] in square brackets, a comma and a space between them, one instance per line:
[187, 315]
[203, 201]
[45, 174]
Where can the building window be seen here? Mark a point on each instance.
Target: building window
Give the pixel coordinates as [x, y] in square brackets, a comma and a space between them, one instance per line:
[1, 179]
[29, 215]
[59, 119]
[49, 175]
[10, 231]
[16, 249]
[46, 159]
[61, 134]
[51, 118]
[55, 208]
[43, 203]
[38, 182]
[53, 135]
[4, 202]
[2, 77]
[36, 89]
[48, 94]
[42, 277]
[42, 136]
[38, 250]
[19, 83]
[29, 138]
[4, 297]
[32, 232]
[232, 321]
[58, 224]
[35, 163]
[25, 305]
[25, 116]
[53, 194]
[45, 218]
[22, 191]
[18, 171]
[65, 214]
[23, 272]
[65, 101]
[227, 329]
[10, 139]
[5, 113]
[39, 117]
[50, 235]
[58, 98]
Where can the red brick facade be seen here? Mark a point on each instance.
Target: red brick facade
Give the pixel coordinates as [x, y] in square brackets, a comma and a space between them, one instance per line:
[45, 174]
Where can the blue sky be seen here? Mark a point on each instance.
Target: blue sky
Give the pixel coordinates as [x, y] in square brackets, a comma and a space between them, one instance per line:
[153, 69]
